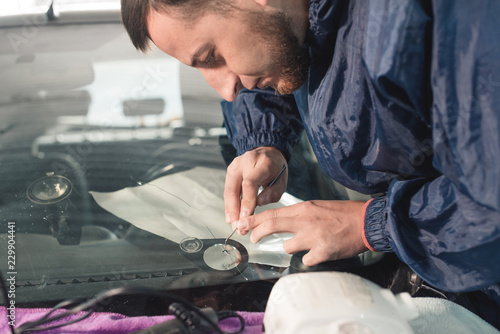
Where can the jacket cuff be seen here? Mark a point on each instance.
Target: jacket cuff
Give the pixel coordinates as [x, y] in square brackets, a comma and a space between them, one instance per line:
[375, 236]
[258, 139]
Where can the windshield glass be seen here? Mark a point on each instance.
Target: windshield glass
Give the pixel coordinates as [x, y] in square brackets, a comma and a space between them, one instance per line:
[113, 165]
[27, 6]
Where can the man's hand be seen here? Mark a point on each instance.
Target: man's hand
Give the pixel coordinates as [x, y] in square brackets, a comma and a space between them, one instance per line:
[331, 230]
[246, 174]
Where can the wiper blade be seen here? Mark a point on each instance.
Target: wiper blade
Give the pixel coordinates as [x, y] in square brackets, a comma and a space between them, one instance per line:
[52, 14]
[60, 13]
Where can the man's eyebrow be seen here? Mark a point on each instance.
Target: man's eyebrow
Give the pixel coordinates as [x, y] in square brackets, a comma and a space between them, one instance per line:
[196, 56]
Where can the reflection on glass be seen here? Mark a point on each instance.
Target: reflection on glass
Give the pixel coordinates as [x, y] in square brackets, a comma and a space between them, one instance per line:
[222, 257]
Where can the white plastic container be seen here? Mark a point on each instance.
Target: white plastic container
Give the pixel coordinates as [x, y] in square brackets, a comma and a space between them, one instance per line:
[335, 302]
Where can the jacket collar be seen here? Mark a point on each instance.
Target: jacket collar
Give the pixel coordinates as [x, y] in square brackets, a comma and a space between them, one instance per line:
[325, 17]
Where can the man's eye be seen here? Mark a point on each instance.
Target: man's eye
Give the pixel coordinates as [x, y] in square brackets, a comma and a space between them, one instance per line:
[211, 60]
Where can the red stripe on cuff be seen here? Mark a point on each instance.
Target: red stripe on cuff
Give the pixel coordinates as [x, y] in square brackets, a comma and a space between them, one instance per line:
[363, 227]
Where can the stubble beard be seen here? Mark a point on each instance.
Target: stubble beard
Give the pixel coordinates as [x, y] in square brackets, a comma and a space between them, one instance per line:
[285, 50]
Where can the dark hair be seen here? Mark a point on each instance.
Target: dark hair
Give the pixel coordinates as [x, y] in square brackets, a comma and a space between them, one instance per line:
[135, 13]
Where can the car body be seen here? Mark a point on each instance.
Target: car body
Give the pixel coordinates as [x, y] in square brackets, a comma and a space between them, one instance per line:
[83, 113]
[88, 127]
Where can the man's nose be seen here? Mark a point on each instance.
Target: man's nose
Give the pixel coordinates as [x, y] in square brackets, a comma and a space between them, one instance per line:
[226, 83]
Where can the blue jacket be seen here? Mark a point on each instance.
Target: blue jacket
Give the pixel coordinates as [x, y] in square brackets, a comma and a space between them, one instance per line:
[403, 98]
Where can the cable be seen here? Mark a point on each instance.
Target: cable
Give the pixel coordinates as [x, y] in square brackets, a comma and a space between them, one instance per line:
[436, 291]
[88, 305]
[32, 325]
[7, 302]
[231, 314]
[36, 329]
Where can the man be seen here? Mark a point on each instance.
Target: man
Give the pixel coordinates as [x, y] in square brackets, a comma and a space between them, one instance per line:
[396, 97]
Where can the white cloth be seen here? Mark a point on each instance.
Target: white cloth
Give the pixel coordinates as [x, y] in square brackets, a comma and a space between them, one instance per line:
[440, 316]
[191, 204]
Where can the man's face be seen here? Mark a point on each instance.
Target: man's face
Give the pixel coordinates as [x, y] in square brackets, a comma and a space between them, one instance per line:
[240, 50]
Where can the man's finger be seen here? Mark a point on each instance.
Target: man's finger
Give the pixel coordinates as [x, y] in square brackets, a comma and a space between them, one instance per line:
[249, 190]
[311, 259]
[266, 223]
[272, 194]
[294, 245]
[318, 254]
[232, 192]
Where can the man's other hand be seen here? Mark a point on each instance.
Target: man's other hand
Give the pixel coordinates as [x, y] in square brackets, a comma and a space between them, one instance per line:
[331, 230]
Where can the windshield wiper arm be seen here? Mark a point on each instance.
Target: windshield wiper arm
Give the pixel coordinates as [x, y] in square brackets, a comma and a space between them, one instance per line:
[52, 14]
